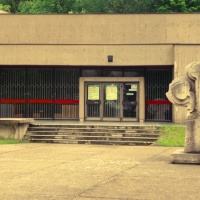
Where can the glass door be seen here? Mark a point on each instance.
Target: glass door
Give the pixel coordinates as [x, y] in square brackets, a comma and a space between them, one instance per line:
[130, 101]
[93, 102]
[111, 101]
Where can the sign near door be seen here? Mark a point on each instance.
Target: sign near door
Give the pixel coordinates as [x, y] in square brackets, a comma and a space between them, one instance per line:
[93, 92]
[133, 87]
[111, 92]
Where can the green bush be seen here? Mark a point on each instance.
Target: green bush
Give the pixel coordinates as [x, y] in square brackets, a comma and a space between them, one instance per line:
[172, 136]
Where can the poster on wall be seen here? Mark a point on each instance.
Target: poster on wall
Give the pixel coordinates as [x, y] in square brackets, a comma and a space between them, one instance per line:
[93, 92]
[111, 92]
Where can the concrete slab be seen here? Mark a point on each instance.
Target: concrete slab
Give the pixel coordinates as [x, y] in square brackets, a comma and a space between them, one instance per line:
[180, 157]
[85, 172]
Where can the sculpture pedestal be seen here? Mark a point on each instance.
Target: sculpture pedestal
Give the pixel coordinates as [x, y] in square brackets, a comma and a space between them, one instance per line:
[192, 139]
[191, 153]
[185, 91]
[180, 157]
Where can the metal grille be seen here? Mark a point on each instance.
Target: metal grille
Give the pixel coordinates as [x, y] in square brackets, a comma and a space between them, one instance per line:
[13, 91]
[66, 93]
[111, 109]
[158, 108]
[53, 92]
[93, 111]
[39, 93]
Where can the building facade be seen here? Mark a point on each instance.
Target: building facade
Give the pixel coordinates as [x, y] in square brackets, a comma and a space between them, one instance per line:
[94, 67]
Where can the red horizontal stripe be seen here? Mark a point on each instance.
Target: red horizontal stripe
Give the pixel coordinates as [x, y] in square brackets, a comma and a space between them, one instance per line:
[67, 101]
[12, 101]
[39, 101]
[158, 102]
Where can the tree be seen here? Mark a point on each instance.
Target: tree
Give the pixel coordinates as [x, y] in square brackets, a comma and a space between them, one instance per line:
[177, 6]
[121, 6]
[86, 6]
[130, 6]
[12, 3]
[5, 7]
[101, 6]
[45, 6]
[95, 6]
[90, 6]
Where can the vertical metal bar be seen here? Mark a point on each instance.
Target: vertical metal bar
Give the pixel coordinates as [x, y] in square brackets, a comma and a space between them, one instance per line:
[26, 92]
[53, 86]
[34, 86]
[42, 86]
[0, 92]
[16, 87]
[9, 91]
[63, 88]
[3, 88]
[71, 72]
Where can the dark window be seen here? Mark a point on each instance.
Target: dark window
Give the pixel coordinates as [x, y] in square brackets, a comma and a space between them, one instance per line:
[113, 73]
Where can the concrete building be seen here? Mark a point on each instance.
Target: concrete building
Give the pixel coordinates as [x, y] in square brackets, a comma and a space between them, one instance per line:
[94, 67]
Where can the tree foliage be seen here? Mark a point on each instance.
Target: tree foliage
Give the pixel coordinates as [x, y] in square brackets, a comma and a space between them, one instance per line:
[12, 3]
[5, 7]
[101, 6]
[45, 6]
[178, 6]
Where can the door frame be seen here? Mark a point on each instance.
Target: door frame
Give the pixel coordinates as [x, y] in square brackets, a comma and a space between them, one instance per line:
[141, 92]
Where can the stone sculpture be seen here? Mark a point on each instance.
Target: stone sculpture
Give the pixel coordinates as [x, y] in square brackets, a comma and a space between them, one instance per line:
[185, 91]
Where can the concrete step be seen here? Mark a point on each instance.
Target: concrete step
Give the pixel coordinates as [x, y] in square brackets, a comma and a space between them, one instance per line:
[70, 141]
[91, 131]
[92, 127]
[90, 134]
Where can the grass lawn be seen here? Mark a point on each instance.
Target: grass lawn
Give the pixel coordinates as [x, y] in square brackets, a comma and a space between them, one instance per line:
[9, 141]
[171, 136]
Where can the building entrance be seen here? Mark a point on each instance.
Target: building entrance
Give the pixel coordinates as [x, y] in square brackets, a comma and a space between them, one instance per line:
[111, 101]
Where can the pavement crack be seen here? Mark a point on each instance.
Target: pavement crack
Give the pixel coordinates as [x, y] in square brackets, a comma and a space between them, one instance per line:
[118, 174]
[156, 155]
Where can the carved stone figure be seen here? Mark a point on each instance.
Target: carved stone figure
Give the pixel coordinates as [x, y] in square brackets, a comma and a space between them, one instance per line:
[181, 93]
[185, 91]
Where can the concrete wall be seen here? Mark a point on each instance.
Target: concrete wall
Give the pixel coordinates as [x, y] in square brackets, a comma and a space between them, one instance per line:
[100, 29]
[124, 55]
[14, 128]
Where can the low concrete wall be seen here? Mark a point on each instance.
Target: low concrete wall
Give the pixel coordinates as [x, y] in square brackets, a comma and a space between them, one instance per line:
[14, 128]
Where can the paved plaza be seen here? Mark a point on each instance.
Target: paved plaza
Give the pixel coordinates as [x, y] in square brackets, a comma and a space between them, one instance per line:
[92, 172]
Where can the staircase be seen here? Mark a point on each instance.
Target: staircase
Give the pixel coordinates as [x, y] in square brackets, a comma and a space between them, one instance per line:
[93, 134]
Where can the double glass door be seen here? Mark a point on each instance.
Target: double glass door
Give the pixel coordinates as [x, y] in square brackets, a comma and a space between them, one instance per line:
[111, 101]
